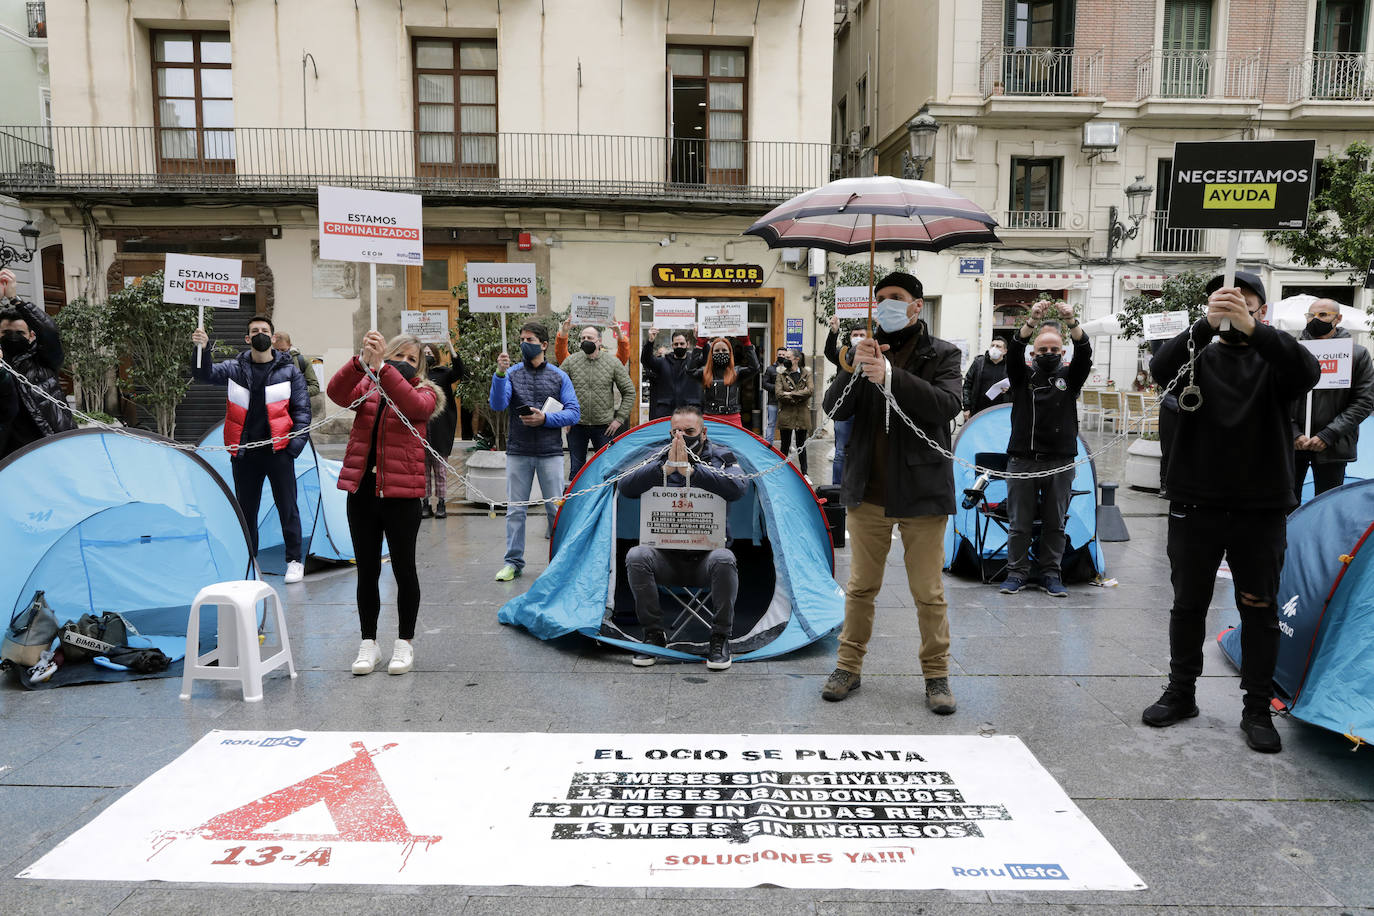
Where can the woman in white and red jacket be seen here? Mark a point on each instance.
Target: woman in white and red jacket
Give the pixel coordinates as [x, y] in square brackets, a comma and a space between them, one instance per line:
[384, 474]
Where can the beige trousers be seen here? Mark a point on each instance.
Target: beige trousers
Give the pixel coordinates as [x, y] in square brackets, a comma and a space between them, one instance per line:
[923, 551]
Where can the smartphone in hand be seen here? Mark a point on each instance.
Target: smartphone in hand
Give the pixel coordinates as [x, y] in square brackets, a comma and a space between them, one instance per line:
[524, 410]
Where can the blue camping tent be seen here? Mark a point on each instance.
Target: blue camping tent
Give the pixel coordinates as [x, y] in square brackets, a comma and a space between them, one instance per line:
[1325, 671]
[107, 522]
[988, 431]
[322, 505]
[788, 596]
[1362, 468]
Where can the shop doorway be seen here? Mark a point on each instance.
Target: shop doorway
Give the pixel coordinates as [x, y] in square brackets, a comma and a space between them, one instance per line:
[432, 285]
[765, 325]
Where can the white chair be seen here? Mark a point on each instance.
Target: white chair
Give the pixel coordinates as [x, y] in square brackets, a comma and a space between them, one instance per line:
[238, 656]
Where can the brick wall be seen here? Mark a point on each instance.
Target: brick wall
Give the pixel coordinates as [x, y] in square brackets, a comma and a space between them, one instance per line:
[1276, 28]
[1122, 30]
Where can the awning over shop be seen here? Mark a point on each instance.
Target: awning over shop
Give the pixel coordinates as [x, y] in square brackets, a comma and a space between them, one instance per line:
[1143, 281]
[1023, 279]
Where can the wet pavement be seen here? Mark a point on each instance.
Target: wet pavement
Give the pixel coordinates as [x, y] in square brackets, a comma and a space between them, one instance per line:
[1208, 824]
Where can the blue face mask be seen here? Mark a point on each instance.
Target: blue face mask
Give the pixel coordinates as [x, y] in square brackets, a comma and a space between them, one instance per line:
[530, 351]
[891, 315]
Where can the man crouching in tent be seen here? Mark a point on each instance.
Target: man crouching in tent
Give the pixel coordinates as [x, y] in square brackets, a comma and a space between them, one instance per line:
[689, 460]
[893, 477]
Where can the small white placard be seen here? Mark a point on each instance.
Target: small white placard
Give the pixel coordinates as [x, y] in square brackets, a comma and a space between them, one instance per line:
[552, 405]
[501, 288]
[722, 319]
[380, 227]
[851, 302]
[1165, 325]
[997, 388]
[209, 282]
[1337, 358]
[681, 519]
[675, 313]
[430, 325]
[592, 309]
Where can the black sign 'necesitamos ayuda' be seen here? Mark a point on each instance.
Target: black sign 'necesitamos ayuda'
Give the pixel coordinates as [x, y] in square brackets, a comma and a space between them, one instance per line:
[725, 275]
[1259, 184]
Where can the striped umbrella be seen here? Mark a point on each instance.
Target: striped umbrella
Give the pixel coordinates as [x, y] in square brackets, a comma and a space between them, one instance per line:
[853, 215]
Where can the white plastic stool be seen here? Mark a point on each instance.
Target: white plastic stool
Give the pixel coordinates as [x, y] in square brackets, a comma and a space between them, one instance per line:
[239, 655]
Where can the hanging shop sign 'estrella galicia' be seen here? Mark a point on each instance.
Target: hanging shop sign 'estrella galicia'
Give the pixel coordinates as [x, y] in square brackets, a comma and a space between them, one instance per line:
[1264, 184]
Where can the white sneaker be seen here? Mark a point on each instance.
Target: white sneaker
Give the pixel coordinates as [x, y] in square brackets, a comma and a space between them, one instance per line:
[369, 657]
[295, 572]
[402, 657]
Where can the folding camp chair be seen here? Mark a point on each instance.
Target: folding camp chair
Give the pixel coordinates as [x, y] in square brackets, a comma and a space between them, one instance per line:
[990, 514]
[694, 604]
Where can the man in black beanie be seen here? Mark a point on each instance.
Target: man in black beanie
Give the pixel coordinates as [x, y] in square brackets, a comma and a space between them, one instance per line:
[892, 477]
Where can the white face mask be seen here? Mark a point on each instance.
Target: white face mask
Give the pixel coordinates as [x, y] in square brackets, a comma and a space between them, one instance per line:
[891, 315]
[996, 353]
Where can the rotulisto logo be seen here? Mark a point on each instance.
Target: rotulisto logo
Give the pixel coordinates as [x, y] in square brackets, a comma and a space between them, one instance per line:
[1017, 871]
[283, 741]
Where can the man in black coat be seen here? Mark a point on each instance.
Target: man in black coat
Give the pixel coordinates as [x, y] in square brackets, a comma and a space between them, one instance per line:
[1230, 491]
[1044, 437]
[1336, 412]
[33, 349]
[986, 370]
[893, 477]
[671, 376]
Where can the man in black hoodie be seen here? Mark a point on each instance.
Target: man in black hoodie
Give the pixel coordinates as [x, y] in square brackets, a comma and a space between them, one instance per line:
[1044, 437]
[1336, 412]
[1230, 490]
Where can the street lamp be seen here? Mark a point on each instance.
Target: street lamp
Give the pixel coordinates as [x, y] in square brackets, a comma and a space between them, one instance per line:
[1137, 196]
[921, 131]
[9, 254]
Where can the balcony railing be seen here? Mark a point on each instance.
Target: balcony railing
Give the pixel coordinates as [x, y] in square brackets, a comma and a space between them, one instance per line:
[1332, 76]
[1168, 74]
[1166, 240]
[1041, 72]
[1033, 219]
[279, 160]
[38, 18]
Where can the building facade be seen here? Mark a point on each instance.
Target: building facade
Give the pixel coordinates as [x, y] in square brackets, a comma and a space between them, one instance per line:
[595, 139]
[26, 100]
[1014, 85]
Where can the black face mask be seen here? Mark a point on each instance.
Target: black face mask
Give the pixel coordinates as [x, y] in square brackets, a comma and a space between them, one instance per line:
[782, 361]
[721, 359]
[1318, 328]
[694, 443]
[588, 347]
[14, 343]
[430, 359]
[1048, 362]
[261, 342]
[680, 352]
[406, 369]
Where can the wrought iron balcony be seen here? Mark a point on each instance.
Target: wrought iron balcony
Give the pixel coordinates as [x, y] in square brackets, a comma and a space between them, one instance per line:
[1332, 76]
[249, 161]
[1166, 240]
[38, 18]
[1042, 72]
[1171, 74]
[1033, 219]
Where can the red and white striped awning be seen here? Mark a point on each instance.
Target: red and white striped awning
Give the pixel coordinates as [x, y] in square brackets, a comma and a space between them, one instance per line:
[1039, 279]
[1143, 281]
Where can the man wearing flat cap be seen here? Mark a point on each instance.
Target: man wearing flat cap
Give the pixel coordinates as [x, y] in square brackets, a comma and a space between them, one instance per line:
[895, 478]
[1230, 486]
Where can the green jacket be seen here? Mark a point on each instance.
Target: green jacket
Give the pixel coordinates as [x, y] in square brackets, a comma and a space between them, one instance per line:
[312, 384]
[596, 381]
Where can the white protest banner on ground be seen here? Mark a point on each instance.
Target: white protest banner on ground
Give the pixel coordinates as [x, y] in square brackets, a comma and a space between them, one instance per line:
[1337, 359]
[501, 288]
[851, 302]
[677, 314]
[192, 280]
[590, 309]
[681, 519]
[722, 319]
[380, 227]
[430, 325]
[1165, 325]
[432, 808]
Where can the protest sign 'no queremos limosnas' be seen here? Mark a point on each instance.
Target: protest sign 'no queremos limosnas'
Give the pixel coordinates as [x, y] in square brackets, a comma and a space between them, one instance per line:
[501, 288]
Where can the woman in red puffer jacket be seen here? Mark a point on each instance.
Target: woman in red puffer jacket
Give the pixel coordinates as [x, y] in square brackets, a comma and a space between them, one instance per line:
[384, 474]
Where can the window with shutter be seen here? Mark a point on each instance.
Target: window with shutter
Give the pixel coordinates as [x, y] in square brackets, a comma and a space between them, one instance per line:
[1338, 67]
[1186, 61]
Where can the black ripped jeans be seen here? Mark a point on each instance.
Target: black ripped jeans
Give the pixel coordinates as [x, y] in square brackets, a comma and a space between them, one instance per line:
[1253, 543]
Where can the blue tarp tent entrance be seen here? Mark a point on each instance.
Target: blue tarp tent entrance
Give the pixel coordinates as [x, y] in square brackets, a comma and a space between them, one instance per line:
[788, 596]
[988, 431]
[1325, 670]
[106, 522]
[322, 505]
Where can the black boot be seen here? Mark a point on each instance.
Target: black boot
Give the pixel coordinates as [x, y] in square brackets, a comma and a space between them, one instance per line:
[441, 509]
[425, 510]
